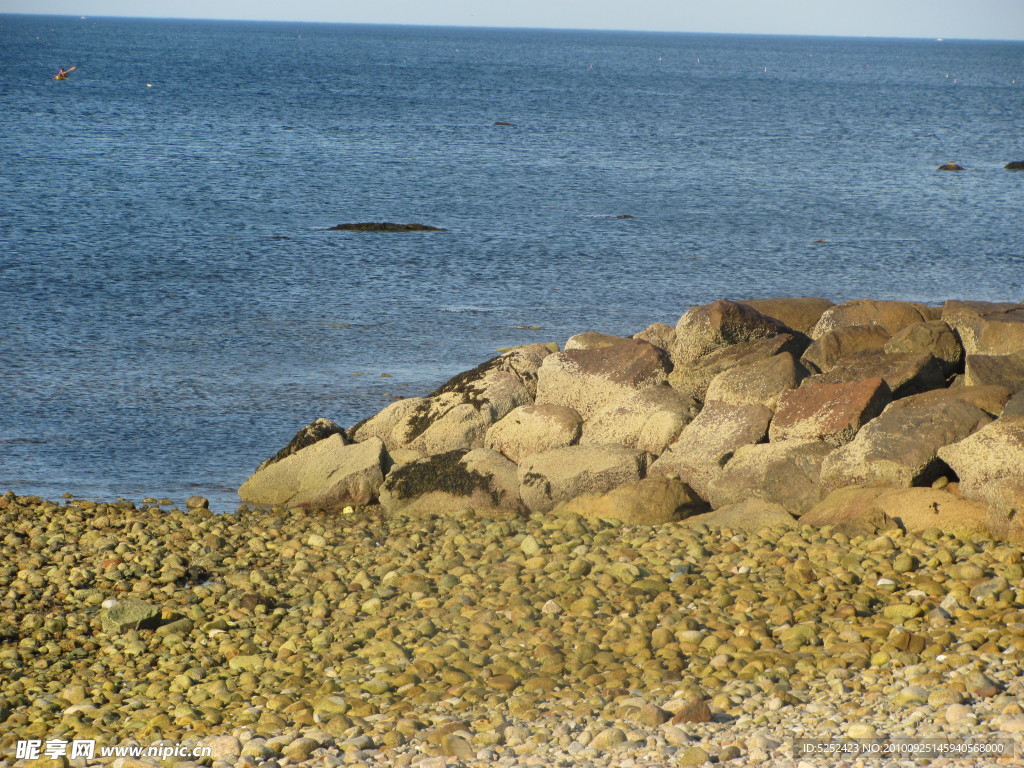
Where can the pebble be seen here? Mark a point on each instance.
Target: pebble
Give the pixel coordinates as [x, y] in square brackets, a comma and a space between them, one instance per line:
[362, 639]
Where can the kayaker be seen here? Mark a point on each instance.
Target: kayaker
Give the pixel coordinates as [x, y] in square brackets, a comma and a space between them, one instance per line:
[63, 74]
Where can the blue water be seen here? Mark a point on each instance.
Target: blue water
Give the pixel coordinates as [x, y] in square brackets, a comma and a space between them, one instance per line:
[173, 308]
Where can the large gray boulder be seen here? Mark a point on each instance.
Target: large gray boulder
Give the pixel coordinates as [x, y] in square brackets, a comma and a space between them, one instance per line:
[586, 380]
[551, 478]
[313, 432]
[649, 419]
[722, 323]
[324, 475]
[457, 414]
[382, 424]
[482, 480]
[760, 382]
[531, 429]
[893, 316]
[830, 412]
[900, 447]
[785, 473]
[709, 441]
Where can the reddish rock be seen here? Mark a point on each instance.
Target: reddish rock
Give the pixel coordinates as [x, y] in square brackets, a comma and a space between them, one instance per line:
[722, 323]
[830, 412]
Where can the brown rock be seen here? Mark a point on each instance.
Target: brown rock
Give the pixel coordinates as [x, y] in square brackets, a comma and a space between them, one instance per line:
[592, 340]
[749, 515]
[964, 318]
[708, 441]
[649, 419]
[785, 473]
[905, 374]
[1000, 332]
[550, 478]
[660, 335]
[651, 501]
[933, 338]
[839, 344]
[800, 314]
[588, 379]
[692, 711]
[532, 429]
[694, 379]
[989, 461]
[912, 509]
[1015, 405]
[382, 424]
[893, 316]
[761, 382]
[899, 447]
[830, 412]
[722, 323]
[1001, 370]
[951, 167]
[991, 399]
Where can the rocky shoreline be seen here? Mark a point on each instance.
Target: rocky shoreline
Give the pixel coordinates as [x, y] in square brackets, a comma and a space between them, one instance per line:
[779, 519]
[387, 639]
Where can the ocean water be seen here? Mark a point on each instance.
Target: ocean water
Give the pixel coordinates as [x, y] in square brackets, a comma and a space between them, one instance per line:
[173, 307]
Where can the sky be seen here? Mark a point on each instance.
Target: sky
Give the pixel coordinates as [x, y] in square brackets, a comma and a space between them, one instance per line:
[975, 19]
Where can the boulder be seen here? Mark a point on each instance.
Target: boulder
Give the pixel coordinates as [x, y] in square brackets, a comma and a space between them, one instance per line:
[592, 340]
[893, 316]
[990, 460]
[801, 314]
[999, 370]
[905, 374]
[834, 413]
[457, 414]
[722, 323]
[1015, 405]
[840, 344]
[865, 511]
[482, 480]
[649, 419]
[963, 317]
[1000, 332]
[785, 473]
[951, 167]
[990, 399]
[588, 379]
[900, 447]
[749, 515]
[550, 478]
[761, 382]
[1014, 165]
[531, 429]
[707, 443]
[324, 475]
[311, 433]
[382, 424]
[660, 335]
[651, 501]
[933, 338]
[128, 614]
[693, 379]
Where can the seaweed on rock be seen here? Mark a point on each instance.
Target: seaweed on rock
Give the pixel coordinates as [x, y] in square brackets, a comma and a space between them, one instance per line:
[441, 472]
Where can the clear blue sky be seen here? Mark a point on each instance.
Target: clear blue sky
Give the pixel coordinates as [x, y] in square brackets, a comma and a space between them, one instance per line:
[981, 19]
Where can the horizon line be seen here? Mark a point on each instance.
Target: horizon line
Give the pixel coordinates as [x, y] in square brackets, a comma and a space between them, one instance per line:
[519, 28]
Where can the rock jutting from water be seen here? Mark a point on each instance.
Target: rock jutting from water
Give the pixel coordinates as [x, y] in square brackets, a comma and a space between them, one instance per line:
[384, 226]
[772, 407]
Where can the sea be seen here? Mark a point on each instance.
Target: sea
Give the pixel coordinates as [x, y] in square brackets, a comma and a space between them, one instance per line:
[174, 305]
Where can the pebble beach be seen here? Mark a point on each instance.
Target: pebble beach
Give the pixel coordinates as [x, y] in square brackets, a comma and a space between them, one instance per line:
[365, 638]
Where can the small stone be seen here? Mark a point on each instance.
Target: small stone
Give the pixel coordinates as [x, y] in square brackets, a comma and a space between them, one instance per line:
[692, 711]
[957, 712]
[980, 685]
[608, 738]
[911, 695]
[197, 502]
[300, 749]
[693, 756]
[861, 731]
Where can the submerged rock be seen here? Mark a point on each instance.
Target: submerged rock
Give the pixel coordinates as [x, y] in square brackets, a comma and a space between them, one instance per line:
[1014, 165]
[951, 167]
[385, 226]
